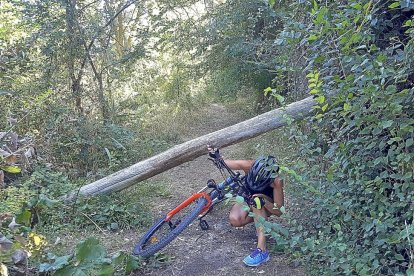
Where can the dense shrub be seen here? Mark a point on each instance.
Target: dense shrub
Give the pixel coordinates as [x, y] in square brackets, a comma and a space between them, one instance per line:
[356, 153]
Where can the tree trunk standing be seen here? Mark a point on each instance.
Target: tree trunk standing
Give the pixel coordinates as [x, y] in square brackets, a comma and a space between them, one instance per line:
[73, 45]
[103, 103]
[195, 148]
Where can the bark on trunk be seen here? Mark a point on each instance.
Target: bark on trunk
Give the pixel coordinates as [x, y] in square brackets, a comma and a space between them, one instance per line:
[71, 48]
[192, 149]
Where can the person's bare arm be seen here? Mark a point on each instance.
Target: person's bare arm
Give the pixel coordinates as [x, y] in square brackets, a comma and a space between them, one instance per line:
[278, 196]
[243, 165]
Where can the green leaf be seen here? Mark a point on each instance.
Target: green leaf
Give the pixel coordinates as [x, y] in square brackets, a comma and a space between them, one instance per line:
[70, 270]
[320, 99]
[279, 41]
[44, 267]
[347, 217]
[312, 38]
[11, 169]
[394, 5]
[329, 175]
[58, 263]
[357, 6]
[47, 202]
[239, 199]
[399, 257]
[267, 90]
[410, 272]
[279, 98]
[272, 3]
[347, 107]
[376, 131]
[320, 18]
[108, 153]
[245, 208]
[106, 270]
[90, 251]
[386, 124]
[324, 107]
[114, 226]
[409, 142]
[131, 264]
[24, 217]
[408, 23]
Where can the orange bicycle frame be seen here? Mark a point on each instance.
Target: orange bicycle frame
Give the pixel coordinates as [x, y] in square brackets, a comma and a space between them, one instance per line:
[186, 202]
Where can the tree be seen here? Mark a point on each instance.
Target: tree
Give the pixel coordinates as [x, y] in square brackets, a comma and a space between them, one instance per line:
[196, 147]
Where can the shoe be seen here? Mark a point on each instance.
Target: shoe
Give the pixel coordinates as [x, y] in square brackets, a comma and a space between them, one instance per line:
[257, 257]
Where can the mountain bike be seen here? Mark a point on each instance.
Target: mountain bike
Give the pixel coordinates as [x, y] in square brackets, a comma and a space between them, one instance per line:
[196, 206]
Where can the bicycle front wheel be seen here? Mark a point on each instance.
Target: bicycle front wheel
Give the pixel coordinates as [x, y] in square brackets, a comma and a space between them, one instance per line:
[164, 231]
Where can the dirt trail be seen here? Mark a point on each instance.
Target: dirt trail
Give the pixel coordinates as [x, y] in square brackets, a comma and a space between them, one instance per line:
[221, 249]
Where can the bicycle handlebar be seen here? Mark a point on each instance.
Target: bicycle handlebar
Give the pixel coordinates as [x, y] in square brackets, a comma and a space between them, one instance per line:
[234, 181]
[219, 162]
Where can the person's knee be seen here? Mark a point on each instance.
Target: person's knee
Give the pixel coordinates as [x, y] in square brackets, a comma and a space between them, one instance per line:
[238, 219]
[235, 220]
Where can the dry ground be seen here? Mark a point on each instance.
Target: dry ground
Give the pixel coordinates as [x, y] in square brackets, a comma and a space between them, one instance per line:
[221, 249]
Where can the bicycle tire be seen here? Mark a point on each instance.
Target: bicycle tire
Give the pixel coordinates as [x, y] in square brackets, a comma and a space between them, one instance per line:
[164, 241]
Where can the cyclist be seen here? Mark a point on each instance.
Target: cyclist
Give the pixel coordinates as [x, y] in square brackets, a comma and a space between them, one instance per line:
[267, 199]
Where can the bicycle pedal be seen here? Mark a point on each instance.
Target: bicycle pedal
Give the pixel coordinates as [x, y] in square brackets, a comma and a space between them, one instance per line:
[204, 224]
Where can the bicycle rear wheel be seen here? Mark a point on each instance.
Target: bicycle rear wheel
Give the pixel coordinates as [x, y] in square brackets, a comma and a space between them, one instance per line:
[164, 231]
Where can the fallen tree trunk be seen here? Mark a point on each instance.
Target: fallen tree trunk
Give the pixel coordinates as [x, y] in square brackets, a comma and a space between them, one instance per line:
[194, 148]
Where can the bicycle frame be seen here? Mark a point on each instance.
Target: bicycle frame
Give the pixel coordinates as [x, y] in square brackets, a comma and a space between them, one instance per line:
[211, 201]
[187, 202]
[205, 199]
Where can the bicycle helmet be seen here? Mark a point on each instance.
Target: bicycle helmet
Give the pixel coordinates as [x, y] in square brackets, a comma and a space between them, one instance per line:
[262, 173]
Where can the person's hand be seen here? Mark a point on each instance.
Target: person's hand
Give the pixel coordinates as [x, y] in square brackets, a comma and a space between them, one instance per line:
[213, 152]
[256, 202]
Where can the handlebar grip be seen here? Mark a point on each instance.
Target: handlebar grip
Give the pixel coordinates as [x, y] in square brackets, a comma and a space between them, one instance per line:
[214, 153]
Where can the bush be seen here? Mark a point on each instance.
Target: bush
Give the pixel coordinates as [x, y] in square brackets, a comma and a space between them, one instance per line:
[355, 168]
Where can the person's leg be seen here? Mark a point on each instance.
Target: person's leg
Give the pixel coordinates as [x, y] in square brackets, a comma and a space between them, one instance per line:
[238, 217]
[260, 254]
[261, 238]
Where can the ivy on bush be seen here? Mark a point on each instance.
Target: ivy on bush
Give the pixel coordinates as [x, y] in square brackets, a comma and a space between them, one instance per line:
[356, 154]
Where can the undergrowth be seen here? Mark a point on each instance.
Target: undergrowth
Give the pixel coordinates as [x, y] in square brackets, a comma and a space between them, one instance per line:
[353, 169]
[53, 226]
